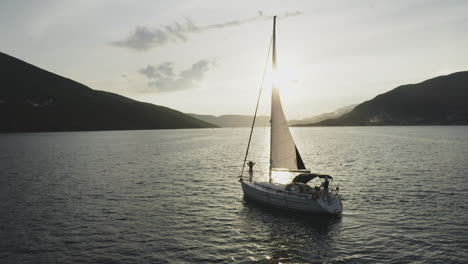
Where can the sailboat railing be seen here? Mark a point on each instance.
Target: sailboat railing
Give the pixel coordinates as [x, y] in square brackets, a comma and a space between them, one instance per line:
[304, 195]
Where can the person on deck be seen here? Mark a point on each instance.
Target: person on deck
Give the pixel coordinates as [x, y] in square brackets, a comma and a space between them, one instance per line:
[250, 164]
[325, 184]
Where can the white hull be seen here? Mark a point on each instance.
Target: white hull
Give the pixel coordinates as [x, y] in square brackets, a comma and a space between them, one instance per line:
[276, 195]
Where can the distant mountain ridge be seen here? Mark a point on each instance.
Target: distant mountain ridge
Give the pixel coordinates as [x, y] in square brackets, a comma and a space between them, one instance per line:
[264, 121]
[33, 99]
[234, 120]
[335, 114]
[441, 100]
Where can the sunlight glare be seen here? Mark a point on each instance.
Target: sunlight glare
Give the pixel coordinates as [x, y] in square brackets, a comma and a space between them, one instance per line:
[282, 79]
[282, 177]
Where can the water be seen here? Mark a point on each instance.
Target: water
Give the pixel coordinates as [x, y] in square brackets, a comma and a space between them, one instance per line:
[173, 196]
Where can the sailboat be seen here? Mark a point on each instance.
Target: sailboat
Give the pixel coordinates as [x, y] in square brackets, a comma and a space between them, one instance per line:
[285, 157]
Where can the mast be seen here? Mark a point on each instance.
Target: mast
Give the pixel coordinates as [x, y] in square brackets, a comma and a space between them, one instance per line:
[274, 44]
[273, 57]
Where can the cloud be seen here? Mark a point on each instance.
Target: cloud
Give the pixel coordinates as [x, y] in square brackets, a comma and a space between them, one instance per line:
[163, 78]
[144, 38]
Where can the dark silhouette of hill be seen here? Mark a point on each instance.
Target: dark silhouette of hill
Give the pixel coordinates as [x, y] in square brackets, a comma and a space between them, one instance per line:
[33, 99]
[439, 101]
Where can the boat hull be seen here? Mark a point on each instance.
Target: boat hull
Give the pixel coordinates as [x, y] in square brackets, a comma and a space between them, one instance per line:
[277, 196]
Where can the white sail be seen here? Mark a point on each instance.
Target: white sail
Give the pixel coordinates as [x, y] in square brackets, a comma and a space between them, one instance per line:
[284, 154]
[283, 151]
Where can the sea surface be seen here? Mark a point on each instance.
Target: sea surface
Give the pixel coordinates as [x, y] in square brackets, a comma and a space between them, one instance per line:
[173, 196]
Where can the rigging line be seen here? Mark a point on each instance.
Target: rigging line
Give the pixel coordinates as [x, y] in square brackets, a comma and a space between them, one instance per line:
[256, 108]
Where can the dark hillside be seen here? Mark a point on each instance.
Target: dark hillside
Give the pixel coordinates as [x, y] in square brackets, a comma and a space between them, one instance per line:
[439, 101]
[32, 99]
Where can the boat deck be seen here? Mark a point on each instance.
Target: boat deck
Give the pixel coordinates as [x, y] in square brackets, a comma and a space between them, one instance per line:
[277, 195]
[281, 188]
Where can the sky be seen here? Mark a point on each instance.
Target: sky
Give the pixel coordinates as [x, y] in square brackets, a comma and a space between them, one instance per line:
[207, 56]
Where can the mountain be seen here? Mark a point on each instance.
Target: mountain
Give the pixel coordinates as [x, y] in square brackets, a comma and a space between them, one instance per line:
[439, 101]
[33, 99]
[335, 114]
[234, 120]
[264, 121]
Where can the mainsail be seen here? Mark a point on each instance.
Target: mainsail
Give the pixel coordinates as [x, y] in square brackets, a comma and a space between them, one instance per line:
[283, 151]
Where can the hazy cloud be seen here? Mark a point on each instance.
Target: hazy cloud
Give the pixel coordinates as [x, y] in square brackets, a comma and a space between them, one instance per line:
[163, 78]
[144, 38]
[125, 77]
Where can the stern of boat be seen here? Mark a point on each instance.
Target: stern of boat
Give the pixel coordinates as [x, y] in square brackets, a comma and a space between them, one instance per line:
[331, 203]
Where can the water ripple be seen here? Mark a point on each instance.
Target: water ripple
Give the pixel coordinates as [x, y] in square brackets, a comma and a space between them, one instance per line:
[172, 196]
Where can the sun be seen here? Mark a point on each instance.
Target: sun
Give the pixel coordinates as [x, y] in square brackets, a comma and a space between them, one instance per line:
[282, 79]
